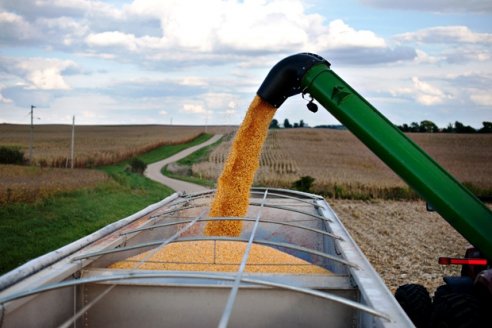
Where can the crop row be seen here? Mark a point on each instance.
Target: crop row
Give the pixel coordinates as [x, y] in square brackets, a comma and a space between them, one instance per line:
[342, 165]
[95, 145]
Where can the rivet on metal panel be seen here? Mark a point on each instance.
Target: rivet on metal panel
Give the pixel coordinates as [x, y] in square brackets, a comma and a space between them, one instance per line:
[85, 301]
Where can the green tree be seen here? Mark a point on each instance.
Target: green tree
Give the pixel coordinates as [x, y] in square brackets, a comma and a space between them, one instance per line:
[448, 129]
[461, 128]
[274, 124]
[414, 127]
[304, 183]
[287, 124]
[404, 127]
[137, 165]
[11, 155]
[487, 127]
[428, 126]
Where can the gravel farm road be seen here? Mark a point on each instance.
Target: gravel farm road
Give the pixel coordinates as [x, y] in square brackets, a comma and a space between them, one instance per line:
[153, 170]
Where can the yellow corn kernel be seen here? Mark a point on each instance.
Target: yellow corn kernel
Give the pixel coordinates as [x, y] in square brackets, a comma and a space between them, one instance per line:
[220, 256]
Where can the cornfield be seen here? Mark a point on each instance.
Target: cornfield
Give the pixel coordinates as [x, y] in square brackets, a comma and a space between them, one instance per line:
[96, 145]
[342, 165]
[29, 183]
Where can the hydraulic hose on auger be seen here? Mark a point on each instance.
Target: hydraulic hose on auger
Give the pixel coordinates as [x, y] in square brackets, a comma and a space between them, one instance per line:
[309, 73]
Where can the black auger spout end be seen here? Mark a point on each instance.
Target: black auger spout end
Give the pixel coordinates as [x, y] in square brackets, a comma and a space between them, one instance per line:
[284, 79]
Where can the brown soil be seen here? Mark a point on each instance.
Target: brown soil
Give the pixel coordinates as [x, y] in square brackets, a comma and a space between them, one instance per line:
[402, 240]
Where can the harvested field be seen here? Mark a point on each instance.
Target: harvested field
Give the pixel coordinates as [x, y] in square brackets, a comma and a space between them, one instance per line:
[29, 184]
[96, 145]
[343, 166]
[402, 240]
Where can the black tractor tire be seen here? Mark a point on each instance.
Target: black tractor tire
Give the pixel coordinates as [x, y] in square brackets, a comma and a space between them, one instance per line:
[441, 291]
[456, 310]
[416, 302]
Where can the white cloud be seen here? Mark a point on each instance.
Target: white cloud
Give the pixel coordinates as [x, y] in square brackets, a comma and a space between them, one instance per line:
[481, 98]
[424, 58]
[250, 25]
[14, 27]
[47, 79]
[341, 35]
[272, 25]
[446, 34]
[5, 100]
[193, 81]
[427, 94]
[100, 55]
[422, 92]
[11, 18]
[45, 74]
[194, 109]
[112, 39]
[215, 31]
[434, 5]
[398, 91]
[219, 100]
[65, 30]
[448, 44]
[57, 8]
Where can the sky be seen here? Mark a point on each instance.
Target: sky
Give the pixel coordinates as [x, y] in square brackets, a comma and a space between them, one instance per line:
[200, 62]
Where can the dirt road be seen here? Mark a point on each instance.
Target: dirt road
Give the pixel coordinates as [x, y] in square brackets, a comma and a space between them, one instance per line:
[153, 170]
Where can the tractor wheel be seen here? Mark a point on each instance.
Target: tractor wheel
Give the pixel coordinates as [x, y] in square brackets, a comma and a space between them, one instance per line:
[456, 310]
[416, 302]
[441, 291]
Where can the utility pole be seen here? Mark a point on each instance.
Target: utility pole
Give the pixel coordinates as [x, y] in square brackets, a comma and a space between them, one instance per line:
[73, 142]
[206, 121]
[32, 133]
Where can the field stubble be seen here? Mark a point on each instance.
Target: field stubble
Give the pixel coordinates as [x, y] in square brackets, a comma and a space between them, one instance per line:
[402, 240]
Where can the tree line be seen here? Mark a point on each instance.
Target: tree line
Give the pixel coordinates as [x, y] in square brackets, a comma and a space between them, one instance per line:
[425, 126]
[287, 125]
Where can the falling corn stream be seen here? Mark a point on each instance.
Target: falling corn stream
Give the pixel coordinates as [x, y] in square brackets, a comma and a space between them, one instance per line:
[232, 196]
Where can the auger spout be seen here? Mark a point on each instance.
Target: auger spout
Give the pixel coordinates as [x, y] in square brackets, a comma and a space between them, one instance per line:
[284, 79]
